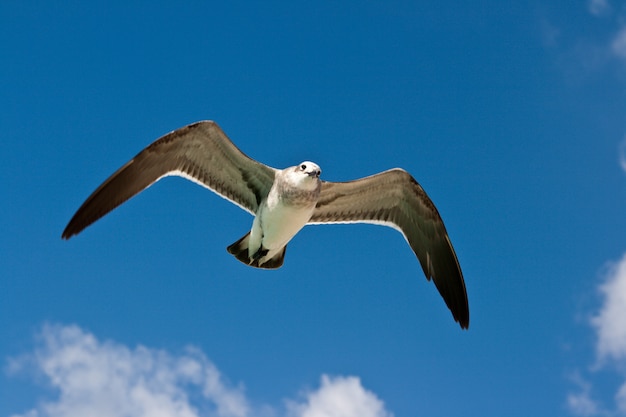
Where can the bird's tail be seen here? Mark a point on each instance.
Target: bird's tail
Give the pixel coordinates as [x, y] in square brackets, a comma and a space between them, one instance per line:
[239, 250]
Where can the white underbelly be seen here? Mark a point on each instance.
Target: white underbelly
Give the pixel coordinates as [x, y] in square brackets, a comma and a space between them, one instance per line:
[281, 223]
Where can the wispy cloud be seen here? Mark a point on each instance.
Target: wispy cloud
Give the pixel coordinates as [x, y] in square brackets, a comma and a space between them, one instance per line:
[599, 7]
[609, 324]
[584, 54]
[550, 34]
[109, 379]
[581, 403]
[618, 44]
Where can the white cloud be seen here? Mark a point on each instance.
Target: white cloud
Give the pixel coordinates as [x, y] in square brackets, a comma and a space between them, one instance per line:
[610, 322]
[109, 379]
[340, 397]
[618, 45]
[599, 7]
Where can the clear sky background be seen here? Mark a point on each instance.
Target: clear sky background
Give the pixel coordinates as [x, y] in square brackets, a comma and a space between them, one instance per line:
[512, 116]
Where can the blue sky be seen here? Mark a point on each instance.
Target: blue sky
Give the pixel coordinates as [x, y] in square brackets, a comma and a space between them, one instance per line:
[510, 115]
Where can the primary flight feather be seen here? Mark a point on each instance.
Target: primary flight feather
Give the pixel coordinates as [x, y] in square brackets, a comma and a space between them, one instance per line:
[284, 201]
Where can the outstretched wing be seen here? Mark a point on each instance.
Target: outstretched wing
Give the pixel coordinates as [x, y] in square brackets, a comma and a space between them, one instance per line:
[200, 152]
[393, 198]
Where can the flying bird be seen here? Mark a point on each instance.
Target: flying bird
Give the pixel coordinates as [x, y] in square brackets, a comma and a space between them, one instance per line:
[284, 201]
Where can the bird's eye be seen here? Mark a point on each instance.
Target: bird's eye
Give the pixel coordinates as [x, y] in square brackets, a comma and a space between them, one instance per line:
[318, 172]
[303, 167]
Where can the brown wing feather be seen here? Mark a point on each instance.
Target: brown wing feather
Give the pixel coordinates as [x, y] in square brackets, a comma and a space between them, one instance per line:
[395, 199]
[200, 151]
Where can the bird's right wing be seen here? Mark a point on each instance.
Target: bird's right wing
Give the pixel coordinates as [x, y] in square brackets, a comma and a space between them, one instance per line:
[200, 152]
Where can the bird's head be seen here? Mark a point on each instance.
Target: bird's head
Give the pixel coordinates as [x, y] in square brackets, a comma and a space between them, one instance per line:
[306, 175]
[309, 168]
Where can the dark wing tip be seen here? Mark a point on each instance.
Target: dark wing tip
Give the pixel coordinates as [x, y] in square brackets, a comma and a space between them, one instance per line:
[455, 298]
[77, 224]
[462, 315]
[67, 234]
[73, 228]
[457, 304]
[463, 318]
[448, 278]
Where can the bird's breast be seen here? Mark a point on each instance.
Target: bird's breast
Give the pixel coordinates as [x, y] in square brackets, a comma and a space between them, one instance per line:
[280, 222]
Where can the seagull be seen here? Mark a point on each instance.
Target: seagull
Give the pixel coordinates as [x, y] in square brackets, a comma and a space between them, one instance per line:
[284, 201]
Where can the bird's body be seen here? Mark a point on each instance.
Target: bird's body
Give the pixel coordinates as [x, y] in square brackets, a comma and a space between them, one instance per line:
[287, 209]
[284, 201]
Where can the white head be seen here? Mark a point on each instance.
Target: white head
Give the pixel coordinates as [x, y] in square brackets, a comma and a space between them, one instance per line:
[309, 168]
[305, 175]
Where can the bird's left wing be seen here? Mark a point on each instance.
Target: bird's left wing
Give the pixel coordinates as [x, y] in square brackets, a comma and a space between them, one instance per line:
[393, 198]
[200, 152]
